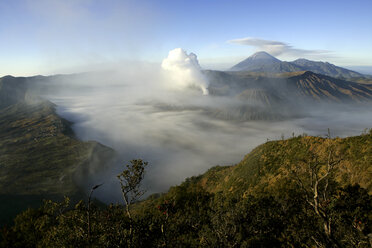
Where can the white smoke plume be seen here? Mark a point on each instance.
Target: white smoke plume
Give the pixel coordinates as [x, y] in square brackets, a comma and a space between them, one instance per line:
[184, 71]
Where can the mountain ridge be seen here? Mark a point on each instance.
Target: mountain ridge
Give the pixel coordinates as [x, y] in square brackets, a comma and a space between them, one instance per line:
[322, 87]
[265, 164]
[264, 62]
[288, 85]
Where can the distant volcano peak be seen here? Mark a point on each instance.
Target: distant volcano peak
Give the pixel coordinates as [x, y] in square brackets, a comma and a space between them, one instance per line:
[260, 61]
[262, 56]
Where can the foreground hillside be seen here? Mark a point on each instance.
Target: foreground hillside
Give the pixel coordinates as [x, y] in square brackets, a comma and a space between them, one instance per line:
[269, 166]
[301, 192]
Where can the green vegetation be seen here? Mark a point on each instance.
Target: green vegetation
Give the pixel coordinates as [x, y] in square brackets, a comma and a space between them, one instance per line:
[301, 192]
[267, 167]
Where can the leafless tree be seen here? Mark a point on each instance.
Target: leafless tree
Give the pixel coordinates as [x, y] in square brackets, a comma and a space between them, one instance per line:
[314, 177]
[130, 182]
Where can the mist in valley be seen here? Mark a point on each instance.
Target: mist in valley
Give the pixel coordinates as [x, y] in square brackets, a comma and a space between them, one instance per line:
[161, 113]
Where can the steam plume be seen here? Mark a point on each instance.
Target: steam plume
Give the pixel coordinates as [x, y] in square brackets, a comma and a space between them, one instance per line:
[184, 71]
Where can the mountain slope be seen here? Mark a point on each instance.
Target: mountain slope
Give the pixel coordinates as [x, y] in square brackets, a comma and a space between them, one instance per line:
[39, 155]
[267, 168]
[320, 87]
[278, 172]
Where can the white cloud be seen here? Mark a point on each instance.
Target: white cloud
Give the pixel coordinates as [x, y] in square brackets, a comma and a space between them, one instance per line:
[277, 48]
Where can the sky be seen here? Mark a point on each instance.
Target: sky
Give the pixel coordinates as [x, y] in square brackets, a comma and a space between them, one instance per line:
[67, 36]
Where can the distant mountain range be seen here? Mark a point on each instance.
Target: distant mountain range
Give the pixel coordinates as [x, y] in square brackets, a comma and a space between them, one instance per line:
[281, 96]
[264, 62]
[306, 84]
[320, 87]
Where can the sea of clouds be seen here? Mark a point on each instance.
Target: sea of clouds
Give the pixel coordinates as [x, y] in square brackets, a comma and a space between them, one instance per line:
[120, 108]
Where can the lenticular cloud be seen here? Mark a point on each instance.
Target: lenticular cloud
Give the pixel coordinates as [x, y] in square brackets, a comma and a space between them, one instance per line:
[184, 71]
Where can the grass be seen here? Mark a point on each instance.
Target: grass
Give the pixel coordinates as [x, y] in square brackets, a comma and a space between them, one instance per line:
[267, 167]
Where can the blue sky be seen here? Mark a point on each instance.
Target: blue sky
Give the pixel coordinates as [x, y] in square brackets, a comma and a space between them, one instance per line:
[61, 36]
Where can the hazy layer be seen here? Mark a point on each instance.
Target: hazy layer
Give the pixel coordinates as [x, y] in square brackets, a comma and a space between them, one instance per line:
[121, 110]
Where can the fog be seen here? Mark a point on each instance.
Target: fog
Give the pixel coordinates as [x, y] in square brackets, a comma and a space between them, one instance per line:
[143, 110]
